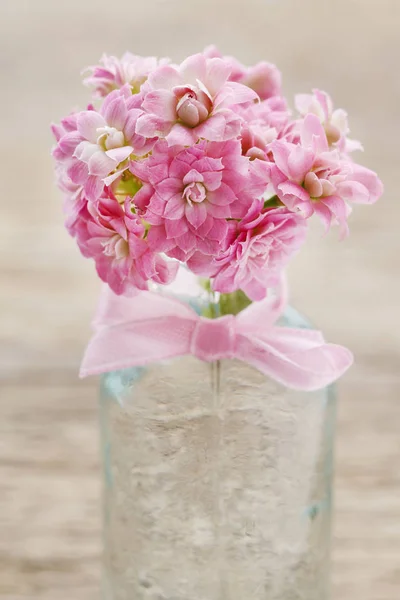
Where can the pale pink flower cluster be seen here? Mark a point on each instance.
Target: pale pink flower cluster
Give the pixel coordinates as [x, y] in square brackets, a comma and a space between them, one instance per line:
[202, 163]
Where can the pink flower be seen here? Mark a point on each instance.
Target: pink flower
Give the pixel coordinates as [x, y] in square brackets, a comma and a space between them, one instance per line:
[264, 78]
[192, 101]
[313, 179]
[115, 238]
[74, 197]
[259, 247]
[113, 73]
[96, 152]
[262, 123]
[191, 192]
[335, 122]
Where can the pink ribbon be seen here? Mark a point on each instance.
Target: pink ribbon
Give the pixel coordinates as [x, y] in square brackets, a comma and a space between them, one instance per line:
[151, 327]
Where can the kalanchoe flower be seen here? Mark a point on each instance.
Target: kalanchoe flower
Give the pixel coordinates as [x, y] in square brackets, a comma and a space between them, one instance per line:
[204, 163]
[115, 238]
[113, 73]
[192, 101]
[74, 196]
[259, 247]
[335, 122]
[191, 192]
[313, 179]
[264, 78]
[96, 152]
[262, 123]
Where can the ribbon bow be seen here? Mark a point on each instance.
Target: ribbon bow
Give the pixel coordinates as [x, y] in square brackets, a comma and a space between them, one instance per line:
[151, 327]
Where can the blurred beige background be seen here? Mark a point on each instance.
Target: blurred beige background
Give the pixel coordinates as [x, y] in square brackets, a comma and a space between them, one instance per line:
[49, 467]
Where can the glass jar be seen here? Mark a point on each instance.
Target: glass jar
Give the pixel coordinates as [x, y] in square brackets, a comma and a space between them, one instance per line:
[218, 481]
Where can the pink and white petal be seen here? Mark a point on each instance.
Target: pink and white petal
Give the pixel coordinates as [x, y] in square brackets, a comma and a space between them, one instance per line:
[158, 241]
[93, 188]
[324, 214]
[152, 126]
[212, 180]
[130, 123]
[280, 152]
[186, 242]
[299, 162]
[370, 180]
[175, 228]
[193, 68]
[240, 93]
[88, 122]
[78, 172]
[240, 208]
[67, 145]
[325, 103]
[161, 103]
[180, 165]
[196, 214]
[116, 113]
[204, 230]
[222, 196]
[181, 136]
[218, 71]
[113, 177]
[338, 208]
[118, 155]
[193, 176]
[220, 212]
[165, 77]
[143, 196]
[157, 207]
[291, 194]
[209, 163]
[169, 188]
[219, 232]
[177, 253]
[100, 164]
[221, 126]
[313, 134]
[85, 150]
[165, 270]
[353, 191]
[175, 208]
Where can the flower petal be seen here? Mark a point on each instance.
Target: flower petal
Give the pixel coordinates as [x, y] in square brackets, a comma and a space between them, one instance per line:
[193, 68]
[161, 103]
[222, 196]
[100, 164]
[119, 154]
[88, 122]
[116, 113]
[175, 208]
[196, 214]
[313, 135]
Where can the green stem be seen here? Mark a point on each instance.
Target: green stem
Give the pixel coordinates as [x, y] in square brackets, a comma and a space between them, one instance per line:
[273, 202]
[224, 304]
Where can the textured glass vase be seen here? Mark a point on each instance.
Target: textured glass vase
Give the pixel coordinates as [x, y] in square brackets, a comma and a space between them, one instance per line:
[217, 482]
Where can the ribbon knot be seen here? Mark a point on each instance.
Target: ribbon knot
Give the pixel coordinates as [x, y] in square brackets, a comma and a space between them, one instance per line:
[149, 328]
[214, 339]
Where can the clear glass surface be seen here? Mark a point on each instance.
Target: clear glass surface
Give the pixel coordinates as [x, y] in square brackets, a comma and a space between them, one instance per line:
[217, 483]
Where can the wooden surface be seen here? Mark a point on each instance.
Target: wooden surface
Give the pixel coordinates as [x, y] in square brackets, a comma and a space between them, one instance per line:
[49, 466]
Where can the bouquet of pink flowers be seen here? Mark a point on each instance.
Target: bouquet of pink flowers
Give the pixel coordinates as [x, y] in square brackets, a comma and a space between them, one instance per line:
[203, 164]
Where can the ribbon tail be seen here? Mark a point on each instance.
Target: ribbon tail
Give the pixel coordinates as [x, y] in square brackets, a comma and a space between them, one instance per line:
[266, 312]
[307, 366]
[136, 344]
